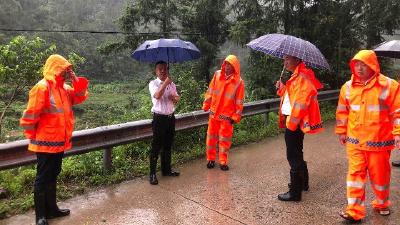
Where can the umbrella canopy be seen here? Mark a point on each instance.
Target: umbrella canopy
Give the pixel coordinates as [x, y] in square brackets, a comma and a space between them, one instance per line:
[389, 49]
[279, 45]
[167, 50]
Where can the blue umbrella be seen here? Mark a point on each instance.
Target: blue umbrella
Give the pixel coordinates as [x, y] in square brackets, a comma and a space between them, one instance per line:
[279, 45]
[167, 50]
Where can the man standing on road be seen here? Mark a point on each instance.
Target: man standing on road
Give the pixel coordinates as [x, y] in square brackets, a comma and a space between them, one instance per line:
[224, 100]
[164, 97]
[368, 124]
[48, 122]
[299, 113]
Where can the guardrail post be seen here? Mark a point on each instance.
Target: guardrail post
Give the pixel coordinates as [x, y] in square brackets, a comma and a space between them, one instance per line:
[107, 159]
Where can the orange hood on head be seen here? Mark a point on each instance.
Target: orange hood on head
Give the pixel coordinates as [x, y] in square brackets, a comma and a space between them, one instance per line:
[54, 66]
[369, 58]
[234, 61]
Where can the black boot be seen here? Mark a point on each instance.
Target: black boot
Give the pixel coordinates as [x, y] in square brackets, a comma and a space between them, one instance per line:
[296, 186]
[51, 203]
[210, 164]
[39, 198]
[396, 163]
[306, 186]
[153, 179]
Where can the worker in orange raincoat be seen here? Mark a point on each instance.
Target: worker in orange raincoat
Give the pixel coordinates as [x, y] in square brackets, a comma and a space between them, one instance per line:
[224, 100]
[48, 122]
[368, 124]
[298, 113]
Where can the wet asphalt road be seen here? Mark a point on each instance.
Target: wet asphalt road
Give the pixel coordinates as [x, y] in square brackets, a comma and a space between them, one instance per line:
[246, 194]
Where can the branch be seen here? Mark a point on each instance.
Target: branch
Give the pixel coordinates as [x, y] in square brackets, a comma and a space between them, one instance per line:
[8, 104]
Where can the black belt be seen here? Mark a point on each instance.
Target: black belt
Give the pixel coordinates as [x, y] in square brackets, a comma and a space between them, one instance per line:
[162, 115]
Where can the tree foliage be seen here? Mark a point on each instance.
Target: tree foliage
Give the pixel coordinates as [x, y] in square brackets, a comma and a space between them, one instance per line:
[203, 22]
[339, 28]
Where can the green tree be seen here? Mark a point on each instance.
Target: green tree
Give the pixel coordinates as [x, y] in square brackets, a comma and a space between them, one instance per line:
[378, 18]
[253, 19]
[21, 64]
[157, 18]
[338, 28]
[208, 20]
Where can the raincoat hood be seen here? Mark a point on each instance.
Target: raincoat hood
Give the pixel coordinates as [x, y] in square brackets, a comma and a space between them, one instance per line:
[234, 61]
[369, 58]
[54, 66]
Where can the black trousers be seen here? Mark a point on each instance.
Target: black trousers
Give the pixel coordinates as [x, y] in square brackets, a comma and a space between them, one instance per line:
[294, 149]
[47, 170]
[163, 137]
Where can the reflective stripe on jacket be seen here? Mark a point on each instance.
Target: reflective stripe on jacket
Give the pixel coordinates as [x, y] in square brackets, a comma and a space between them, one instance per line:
[369, 114]
[48, 120]
[302, 91]
[224, 98]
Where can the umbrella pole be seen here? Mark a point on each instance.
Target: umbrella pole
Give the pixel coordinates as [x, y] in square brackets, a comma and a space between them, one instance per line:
[283, 71]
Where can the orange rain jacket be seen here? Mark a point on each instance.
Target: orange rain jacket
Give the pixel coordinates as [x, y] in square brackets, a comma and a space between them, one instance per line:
[48, 120]
[224, 98]
[369, 114]
[302, 91]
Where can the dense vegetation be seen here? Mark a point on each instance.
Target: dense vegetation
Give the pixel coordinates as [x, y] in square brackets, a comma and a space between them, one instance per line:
[119, 92]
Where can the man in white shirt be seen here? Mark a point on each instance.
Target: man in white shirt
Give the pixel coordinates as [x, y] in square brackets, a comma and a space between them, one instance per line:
[164, 97]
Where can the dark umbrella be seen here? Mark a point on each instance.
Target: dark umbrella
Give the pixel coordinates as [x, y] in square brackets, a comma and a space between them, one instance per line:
[389, 49]
[279, 45]
[167, 50]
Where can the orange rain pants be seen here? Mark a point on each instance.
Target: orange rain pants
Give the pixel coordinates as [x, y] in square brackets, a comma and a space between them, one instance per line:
[219, 136]
[376, 164]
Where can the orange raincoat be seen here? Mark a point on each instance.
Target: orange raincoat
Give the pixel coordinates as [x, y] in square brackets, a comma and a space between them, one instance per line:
[224, 98]
[369, 115]
[48, 120]
[302, 91]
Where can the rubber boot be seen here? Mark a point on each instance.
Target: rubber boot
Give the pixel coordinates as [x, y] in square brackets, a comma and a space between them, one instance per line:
[296, 186]
[39, 198]
[306, 186]
[51, 202]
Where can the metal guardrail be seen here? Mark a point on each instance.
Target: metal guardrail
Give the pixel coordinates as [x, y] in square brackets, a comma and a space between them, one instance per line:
[15, 154]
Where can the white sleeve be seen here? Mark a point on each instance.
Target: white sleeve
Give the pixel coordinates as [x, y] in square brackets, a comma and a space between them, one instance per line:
[174, 92]
[152, 88]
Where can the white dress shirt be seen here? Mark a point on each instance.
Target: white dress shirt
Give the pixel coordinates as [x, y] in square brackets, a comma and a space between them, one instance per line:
[164, 105]
[286, 108]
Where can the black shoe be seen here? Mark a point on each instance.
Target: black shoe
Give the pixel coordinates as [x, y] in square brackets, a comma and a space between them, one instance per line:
[51, 203]
[210, 164]
[348, 218]
[224, 167]
[58, 213]
[153, 179]
[42, 221]
[172, 174]
[288, 196]
[396, 163]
